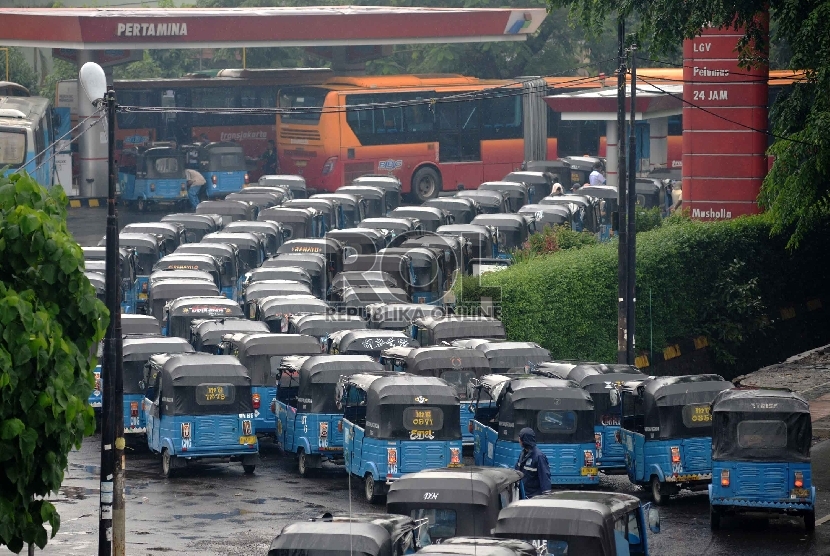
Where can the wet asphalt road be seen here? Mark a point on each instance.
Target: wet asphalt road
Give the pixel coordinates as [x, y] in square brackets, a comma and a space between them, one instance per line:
[217, 510]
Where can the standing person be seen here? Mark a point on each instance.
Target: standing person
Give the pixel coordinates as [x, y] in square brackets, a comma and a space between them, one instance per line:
[533, 464]
[193, 154]
[269, 159]
[596, 177]
[195, 182]
[557, 189]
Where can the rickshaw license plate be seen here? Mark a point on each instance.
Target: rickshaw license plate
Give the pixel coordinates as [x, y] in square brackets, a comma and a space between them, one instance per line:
[142, 296]
[456, 465]
[247, 439]
[799, 493]
[590, 470]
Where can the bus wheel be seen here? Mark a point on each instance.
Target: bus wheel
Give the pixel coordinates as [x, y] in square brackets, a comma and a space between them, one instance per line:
[371, 489]
[426, 184]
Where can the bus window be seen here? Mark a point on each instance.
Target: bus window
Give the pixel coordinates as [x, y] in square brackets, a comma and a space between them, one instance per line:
[504, 118]
[308, 97]
[12, 148]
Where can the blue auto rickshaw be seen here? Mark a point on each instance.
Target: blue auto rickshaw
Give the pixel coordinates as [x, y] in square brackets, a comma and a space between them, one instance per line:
[761, 455]
[559, 411]
[395, 423]
[207, 335]
[297, 223]
[195, 225]
[137, 352]
[598, 379]
[577, 522]
[457, 366]
[427, 272]
[666, 431]
[512, 230]
[229, 261]
[223, 166]
[262, 355]
[151, 176]
[95, 260]
[308, 419]
[148, 250]
[191, 262]
[198, 408]
[249, 246]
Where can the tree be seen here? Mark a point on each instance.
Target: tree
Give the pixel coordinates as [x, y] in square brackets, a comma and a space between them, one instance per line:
[50, 323]
[796, 192]
[19, 70]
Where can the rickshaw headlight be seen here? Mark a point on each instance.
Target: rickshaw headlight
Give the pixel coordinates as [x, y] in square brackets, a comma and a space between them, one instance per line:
[675, 454]
[152, 187]
[724, 478]
[255, 400]
[799, 479]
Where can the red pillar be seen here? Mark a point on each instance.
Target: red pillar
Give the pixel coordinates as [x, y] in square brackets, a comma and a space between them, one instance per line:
[724, 161]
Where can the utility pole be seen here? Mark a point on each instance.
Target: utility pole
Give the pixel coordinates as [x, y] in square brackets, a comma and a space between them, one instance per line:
[631, 294]
[622, 229]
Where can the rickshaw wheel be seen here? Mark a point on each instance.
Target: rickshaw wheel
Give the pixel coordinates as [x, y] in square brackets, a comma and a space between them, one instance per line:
[371, 488]
[141, 205]
[657, 493]
[810, 521]
[714, 518]
[248, 469]
[302, 464]
[167, 463]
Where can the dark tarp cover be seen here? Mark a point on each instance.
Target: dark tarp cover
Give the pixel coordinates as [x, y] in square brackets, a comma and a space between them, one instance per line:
[761, 425]
[185, 377]
[668, 404]
[389, 397]
[319, 375]
[582, 519]
[137, 351]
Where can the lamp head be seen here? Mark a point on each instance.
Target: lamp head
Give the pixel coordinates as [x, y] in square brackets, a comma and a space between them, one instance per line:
[93, 81]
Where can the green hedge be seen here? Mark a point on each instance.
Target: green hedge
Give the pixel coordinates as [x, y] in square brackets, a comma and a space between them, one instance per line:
[719, 279]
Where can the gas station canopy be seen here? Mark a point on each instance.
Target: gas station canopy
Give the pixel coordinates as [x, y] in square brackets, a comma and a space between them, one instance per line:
[156, 28]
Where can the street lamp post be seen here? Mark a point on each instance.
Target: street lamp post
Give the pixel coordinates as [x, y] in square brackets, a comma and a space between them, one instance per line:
[94, 84]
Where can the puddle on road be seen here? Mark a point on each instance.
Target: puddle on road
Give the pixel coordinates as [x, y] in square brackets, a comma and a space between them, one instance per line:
[256, 501]
[77, 493]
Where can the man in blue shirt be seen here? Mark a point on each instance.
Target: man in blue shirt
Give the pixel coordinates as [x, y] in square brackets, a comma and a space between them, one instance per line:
[533, 464]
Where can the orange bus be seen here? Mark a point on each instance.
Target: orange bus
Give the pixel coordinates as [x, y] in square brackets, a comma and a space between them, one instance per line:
[439, 132]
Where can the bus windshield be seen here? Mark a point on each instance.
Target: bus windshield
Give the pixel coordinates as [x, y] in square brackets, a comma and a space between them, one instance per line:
[304, 98]
[12, 148]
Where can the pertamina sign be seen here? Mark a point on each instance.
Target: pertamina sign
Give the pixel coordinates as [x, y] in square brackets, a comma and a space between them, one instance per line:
[135, 29]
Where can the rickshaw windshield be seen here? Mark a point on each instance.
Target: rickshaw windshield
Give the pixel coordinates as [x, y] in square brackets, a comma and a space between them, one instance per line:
[169, 167]
[227, 161]
[442, 522]
[510, 239]
[228, 272]
[460, 380]
[133, 375]
[761, 436]
[425, 275]
[145, 261]
[249, 257]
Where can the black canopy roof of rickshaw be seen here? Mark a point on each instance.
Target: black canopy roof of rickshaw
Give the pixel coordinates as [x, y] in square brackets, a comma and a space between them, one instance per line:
[212, 331]
[442, 242]
[462, 326]
[648, 186]
[237, 208]
[345, 338]
[296, 273]
[291, 304]
[530, 176]
[445, 357]
[392, 312]
[195, 221]
[506, 186]
[222, 146]
[321, 245]
[561, 209]
[389, 223]
[482, 546]
[569, 199]
[327, 323]
[260, 199]
[420, 256]
[283, 179]
[287, 215]
[165, 229]
[186, 261]
[538, 394]
[597, 376]
[455, 485]
[140, 349]
[139, 324]
[403, 388]
[318, 369]
[450, 203]
[471, 232]
[267, 227]
[141, 242]
[312, 263]
[350, 234]
[218, 250]
[158, 276]
[483, 197]
[566, 514]
[360, 296]
[760, 401]
[100, 253]
[326, 206]
[366, 191]
[356, 278]
[681, 390]
[384, 182]
[184, 305]
[344, 198]
[183, 287]
[97, 279]
[546, 165]
[504, 220]
[423, 213]
[193, 369]
[274, 344]
[245, 240]
[95, 265]
[360, 537]
[599, 191]
[268, 288]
